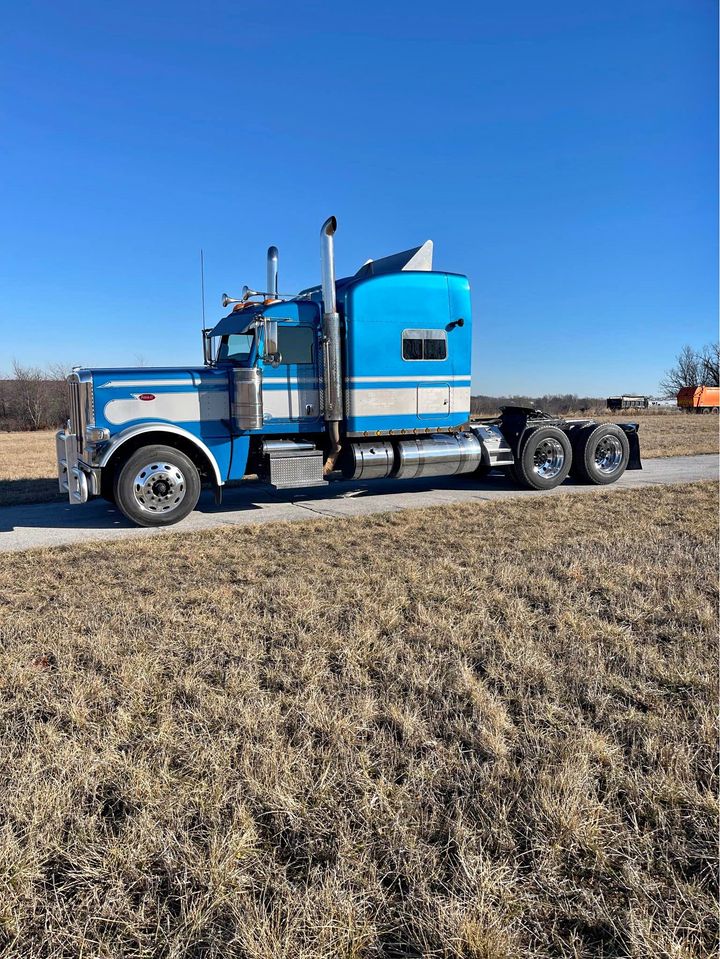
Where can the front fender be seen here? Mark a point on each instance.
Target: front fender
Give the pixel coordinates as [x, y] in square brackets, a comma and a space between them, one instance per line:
[159, 427]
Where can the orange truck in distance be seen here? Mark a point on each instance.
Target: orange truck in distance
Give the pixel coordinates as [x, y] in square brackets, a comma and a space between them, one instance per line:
[699, 399]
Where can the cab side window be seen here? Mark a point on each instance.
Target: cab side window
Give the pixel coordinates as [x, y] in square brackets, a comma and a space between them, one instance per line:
[424, 345]
[295, 344]
[236, 347]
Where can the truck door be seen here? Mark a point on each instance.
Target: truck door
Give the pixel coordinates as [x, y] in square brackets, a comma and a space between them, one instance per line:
[291, 390]
[433, 400]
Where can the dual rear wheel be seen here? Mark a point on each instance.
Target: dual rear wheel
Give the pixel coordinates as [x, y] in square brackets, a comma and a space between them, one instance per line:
[598, 455]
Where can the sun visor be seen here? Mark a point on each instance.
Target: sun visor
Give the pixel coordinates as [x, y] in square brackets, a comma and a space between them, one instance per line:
[235, 322]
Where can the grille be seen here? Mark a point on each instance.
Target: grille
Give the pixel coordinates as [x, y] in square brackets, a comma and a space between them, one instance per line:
[81, 407]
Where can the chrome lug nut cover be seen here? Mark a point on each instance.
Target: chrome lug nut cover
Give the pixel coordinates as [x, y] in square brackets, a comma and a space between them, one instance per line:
[159, 487]
[549, 458]
[608, 454]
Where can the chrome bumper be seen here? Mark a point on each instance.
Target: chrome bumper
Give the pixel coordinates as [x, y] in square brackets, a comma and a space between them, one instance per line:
[75, 478]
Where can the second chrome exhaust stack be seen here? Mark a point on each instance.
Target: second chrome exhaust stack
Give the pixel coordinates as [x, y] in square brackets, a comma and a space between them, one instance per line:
[332, 353]
[272, 271]
[331, 325]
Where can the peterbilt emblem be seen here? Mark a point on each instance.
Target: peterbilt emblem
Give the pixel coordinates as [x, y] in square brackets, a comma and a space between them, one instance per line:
[145, 396]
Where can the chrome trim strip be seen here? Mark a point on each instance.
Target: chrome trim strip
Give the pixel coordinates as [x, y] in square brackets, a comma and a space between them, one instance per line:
[188, 381]
[284, 380]
[409, 379]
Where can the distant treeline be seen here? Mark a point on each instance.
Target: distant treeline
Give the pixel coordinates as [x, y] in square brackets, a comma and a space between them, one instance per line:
[561, 403]
[33, 399]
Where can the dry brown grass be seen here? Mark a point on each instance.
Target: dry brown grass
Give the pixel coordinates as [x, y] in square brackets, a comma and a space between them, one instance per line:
[672, 434]
[481, 733]
[27, 468]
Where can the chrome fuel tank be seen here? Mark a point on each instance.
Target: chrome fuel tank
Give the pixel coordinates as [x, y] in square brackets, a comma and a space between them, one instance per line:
[372, 460]
[442, 454]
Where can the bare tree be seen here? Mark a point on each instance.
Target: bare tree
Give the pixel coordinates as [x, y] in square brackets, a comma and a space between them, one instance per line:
[57, 371]
[710, 359]
[686, 372]
[57, 407]
[31, 387]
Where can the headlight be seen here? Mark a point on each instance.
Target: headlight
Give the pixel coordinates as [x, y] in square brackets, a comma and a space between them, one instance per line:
[96, 434]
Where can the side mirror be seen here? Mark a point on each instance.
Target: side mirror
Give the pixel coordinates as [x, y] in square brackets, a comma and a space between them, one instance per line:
[207, 348]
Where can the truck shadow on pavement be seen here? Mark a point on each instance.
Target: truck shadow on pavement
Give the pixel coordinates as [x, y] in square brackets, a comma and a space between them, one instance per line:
[245, 498]
[261, 497]
[30, 492]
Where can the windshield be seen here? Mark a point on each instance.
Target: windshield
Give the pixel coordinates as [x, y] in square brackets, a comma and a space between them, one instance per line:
[236, 347]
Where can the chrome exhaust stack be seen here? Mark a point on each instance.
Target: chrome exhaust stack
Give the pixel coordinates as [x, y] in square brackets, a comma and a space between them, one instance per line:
[271, 286]
[332, 355]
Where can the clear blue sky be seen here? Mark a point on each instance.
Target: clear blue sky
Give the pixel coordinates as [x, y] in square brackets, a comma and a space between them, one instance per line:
[561, 154]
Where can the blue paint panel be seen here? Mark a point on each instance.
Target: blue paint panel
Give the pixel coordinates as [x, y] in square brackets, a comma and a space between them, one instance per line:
[378, 425]
[377, 310]
[234, 458]
[377, 383]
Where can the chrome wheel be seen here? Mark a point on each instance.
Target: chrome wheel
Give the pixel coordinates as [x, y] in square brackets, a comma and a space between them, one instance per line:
[549, 458]
[608, 454]
[159, 487]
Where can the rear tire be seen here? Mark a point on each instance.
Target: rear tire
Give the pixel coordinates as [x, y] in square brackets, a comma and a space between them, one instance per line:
[157, 486]
[602, 453]
[545, 459]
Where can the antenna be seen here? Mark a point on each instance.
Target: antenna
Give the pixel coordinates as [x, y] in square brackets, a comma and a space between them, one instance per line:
[202, 285]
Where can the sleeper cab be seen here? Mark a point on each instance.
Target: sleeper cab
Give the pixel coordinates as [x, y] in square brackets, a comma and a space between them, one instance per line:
[408, 353]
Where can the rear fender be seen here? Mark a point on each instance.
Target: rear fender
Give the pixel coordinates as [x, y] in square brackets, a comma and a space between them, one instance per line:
[631, 431]
[517, 422]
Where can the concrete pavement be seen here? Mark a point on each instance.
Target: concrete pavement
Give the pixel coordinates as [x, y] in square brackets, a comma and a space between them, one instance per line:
[58, 524]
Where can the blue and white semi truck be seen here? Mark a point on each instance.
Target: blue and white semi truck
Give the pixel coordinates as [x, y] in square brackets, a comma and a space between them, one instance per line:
[366, 377]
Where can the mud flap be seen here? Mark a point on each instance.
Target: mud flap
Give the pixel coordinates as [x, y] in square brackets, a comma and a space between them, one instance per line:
[631, 431]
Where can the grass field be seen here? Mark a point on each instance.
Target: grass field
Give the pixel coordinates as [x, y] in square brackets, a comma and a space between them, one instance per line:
[673, 434]
[28, 473]
[27, 460]
[482, 733]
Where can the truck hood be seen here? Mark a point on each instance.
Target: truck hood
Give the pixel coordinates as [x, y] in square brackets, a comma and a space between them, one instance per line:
[186, 395]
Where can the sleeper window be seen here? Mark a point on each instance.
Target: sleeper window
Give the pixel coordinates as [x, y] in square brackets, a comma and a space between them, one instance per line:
[424, 344]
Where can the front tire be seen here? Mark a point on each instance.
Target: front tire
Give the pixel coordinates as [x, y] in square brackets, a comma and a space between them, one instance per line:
[545, 460]
[601, 454]
[157, 486]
